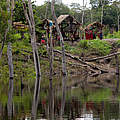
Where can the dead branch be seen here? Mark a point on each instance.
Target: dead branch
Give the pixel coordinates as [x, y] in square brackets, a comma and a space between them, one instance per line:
[92, 67]
[103, 57]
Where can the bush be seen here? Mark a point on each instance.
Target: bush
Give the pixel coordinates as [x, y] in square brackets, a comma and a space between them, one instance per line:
[83, 44]
[114, 35]
[99, 46]
[117, 43]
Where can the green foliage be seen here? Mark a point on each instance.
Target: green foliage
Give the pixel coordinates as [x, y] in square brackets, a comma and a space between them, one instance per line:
[114, 35]
[26, 39]
[100, 47]
[59, 9]
[18, 15]
[83, 44]
[117, 43]
[4, 16]
[102, 95]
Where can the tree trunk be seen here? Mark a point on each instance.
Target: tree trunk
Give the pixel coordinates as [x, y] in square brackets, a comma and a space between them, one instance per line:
[91, 16]
[10, 92]
[51, 105]
[64, 71]
[47, 34]
[118, 22]
[30, 19]
[47, 9]
[83, 12]
[117, 73]
[102, 11]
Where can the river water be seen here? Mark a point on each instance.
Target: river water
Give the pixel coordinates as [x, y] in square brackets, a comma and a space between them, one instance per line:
[87, 98]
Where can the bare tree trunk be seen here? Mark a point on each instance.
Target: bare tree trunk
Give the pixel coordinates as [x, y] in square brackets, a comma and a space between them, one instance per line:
[117, 73]
[51, 107]
[102, 15]
[64, 71]
[102, 11]
[118, 22]
[91, 16]
[47, 9]
[47, 28]
[10, 93]
[30, 19]
[31, 23]
[83, 12]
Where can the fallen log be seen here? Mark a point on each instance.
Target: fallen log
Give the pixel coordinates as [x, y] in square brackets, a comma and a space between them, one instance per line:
[103, 57]
[93, 67]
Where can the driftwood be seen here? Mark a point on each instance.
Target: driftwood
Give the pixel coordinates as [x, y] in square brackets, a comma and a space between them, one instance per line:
[93, 67]
[103, 57]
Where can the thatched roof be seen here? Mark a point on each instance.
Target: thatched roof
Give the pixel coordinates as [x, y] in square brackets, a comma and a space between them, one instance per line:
[61, 18]
[19, 25]
[94, 24]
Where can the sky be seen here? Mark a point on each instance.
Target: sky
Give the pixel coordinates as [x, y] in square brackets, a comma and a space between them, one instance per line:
[66, 2]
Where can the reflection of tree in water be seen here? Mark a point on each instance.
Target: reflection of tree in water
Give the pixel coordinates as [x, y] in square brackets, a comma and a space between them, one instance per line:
[35, 99]
[51, 102]
[10, 99]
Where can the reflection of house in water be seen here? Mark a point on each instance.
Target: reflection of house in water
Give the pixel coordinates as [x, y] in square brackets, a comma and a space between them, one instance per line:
[86, 117]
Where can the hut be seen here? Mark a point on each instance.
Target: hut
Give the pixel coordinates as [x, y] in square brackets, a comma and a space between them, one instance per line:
[19, 26]
[93, 29]
[70, 27]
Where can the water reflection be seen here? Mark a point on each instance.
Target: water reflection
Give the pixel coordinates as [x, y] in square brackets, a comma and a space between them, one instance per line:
[10, 99]
[51, 102]
[83, 102]
[35, 99]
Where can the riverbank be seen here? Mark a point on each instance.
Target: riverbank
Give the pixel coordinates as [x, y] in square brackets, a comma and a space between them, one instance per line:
[24, 66]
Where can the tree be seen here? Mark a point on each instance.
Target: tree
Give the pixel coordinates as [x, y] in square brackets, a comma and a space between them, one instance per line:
[59, 8]
[4, 19]
[30, 19]
[64, 71]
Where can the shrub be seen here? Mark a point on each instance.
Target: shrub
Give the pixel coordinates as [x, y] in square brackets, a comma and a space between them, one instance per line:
[99, 46]
[83, 44]
[114, 35]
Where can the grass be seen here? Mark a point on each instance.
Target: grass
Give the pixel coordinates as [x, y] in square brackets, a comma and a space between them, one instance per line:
[114, 35]
[100, 47]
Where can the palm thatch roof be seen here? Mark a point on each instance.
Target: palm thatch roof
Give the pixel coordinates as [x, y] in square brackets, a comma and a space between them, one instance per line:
[19, 25]
[94, 25]
[62, 18]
